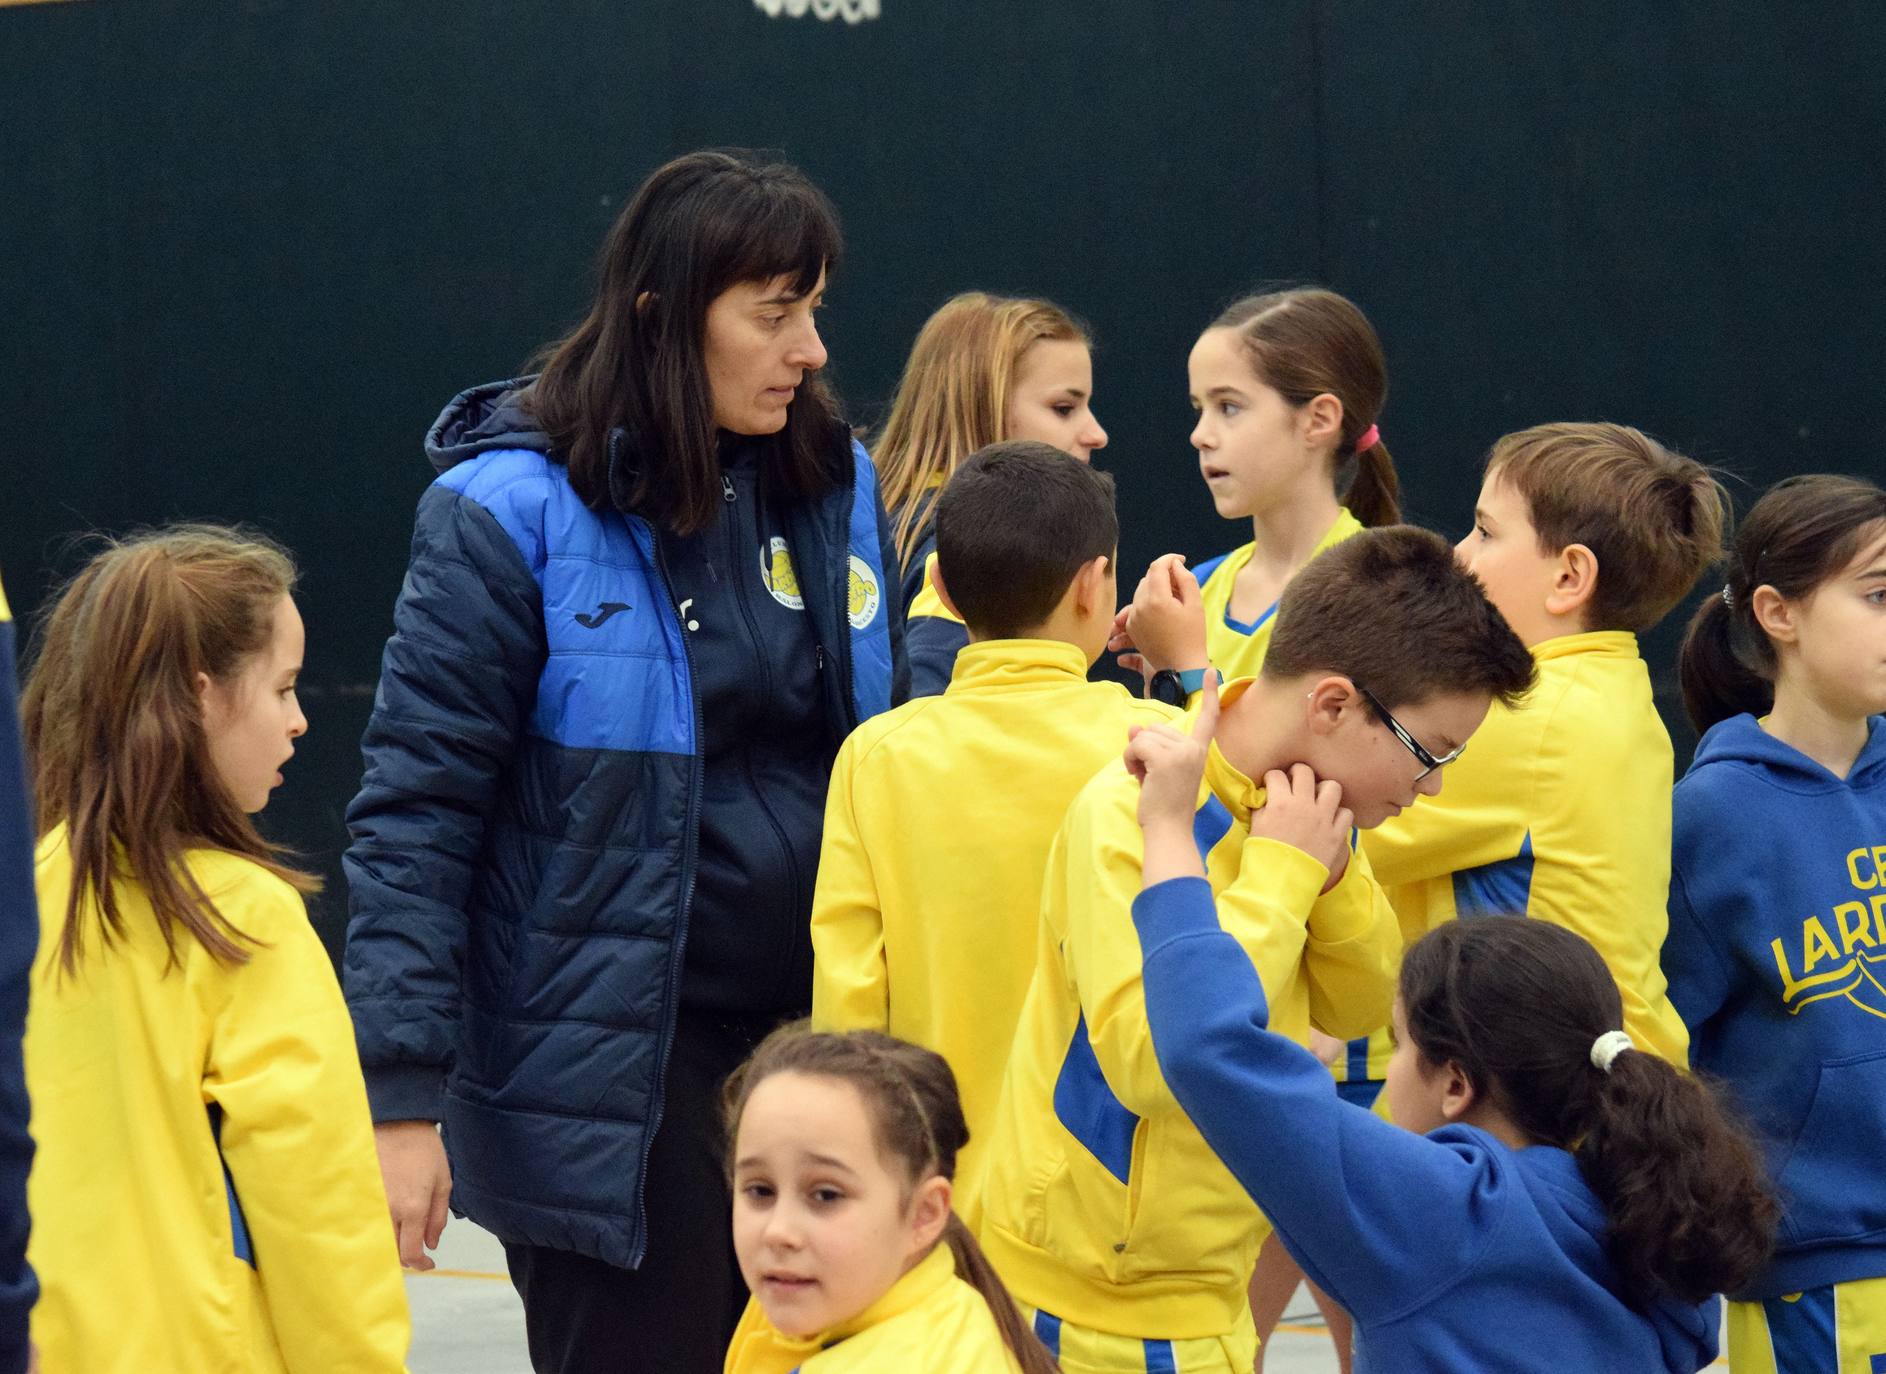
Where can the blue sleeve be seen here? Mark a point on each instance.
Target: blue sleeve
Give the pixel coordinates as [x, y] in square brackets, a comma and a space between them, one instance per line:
[933, 644]
[456, 685]
[900, 648]
[1381, 1218]
[19, 941]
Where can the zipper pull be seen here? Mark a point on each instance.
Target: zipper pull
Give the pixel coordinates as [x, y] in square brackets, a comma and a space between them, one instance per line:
[818, 657]
[726, 487]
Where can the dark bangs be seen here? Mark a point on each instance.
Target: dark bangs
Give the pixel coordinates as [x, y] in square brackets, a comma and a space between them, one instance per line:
[699, 225]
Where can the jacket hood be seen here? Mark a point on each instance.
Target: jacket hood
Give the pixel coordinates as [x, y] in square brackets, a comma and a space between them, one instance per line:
[482, 418]
[1740, 739]
[1687, 1332]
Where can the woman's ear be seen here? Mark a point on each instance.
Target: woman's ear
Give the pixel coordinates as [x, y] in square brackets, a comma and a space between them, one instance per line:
[1574, 581]
[929, 1212]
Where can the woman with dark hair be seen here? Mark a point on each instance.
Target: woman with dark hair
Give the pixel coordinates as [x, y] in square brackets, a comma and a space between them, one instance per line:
[647, 600]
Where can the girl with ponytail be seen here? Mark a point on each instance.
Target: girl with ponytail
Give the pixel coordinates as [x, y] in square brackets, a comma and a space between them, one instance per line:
[1776, 955]
[1288, 387]
[843, 1155]
[1558, 1199]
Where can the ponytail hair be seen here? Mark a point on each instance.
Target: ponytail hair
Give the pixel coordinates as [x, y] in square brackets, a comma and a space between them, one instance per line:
[1516, 1005]
[1802, 532]
[911, 1096]
[1309, 342]
[114, 731]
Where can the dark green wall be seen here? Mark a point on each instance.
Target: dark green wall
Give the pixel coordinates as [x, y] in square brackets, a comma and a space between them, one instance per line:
[248, 250]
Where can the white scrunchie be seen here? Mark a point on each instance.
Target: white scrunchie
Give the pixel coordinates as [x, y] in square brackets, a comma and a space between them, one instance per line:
[1607, 1047]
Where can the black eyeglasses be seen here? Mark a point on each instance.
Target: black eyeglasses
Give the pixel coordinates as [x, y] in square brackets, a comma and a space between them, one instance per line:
[1429, 762]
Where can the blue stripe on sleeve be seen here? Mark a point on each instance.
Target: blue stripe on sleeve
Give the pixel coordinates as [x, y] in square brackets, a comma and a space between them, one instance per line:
[1503, 888]
[1160, 1358]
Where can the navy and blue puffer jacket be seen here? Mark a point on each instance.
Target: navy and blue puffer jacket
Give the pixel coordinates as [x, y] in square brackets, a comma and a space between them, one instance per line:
[525, 839]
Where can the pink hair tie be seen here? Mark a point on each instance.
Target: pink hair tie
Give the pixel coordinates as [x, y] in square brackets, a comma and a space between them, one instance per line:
[1370, 438]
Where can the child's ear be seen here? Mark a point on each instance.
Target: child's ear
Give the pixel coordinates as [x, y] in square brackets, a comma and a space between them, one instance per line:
[1093, 590]
[942, 592]
[1774, 614]
[1574, 581]
[929, 1212]
[1329, 698]
[1457, 1092]
[1322, 420]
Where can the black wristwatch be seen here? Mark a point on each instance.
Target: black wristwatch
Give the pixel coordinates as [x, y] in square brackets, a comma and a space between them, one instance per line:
[1175, 688]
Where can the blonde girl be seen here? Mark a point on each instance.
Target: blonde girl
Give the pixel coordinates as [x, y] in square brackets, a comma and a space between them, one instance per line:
[984, 368]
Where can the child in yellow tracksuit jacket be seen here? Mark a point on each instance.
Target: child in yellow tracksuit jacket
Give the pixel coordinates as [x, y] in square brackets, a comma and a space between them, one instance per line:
[206, 1194]
[941, 812]
[843, 1150]
[1103, 1207]
[1585, 535]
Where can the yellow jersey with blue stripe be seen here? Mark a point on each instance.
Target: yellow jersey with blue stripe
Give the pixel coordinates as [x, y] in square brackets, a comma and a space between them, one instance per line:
[930, 1320]
[1839, 1328]
[1236, 647]
[937, 830]
[206, 1193]
[1558, 810]
[1102, 1204]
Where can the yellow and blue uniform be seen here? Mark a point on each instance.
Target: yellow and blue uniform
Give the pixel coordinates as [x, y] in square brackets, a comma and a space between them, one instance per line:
[930, 1320]
[937, 830]
[1559, 810]
[1102, 1205]
[1777, 961]
[1236, 647]
[933, 633]
[206, 1194]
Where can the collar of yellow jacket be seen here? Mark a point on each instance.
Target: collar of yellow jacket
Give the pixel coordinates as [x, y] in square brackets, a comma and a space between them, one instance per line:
[1346, 525]
[930, 1274]
[1016, 663]
[1617, 643]
[1239, 793]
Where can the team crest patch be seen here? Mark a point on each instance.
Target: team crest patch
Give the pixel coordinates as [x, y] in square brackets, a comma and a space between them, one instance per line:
[780, 577]
[864, 594]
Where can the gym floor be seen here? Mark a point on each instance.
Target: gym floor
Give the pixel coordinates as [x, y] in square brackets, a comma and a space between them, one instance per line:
[467, 1319]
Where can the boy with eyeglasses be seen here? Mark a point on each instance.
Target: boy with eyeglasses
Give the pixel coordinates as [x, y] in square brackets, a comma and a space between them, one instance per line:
[1585, 536]
[1127, 1240]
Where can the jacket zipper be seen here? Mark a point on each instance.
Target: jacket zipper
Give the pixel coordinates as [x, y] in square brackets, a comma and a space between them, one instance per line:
[689, 865]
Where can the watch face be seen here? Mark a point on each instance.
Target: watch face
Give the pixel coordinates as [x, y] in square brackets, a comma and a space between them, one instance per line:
[1167, 687]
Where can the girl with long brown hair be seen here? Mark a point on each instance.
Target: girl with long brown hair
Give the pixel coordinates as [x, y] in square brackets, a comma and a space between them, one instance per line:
[843, 1155]
[205, 1194]
[983, 369]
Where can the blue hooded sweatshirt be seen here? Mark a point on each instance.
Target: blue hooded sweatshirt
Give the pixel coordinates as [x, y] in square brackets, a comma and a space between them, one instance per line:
[1451, 1250]
[1776, 958]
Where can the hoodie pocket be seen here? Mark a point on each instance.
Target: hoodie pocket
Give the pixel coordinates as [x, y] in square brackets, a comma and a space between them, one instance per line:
[1829, 1183]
